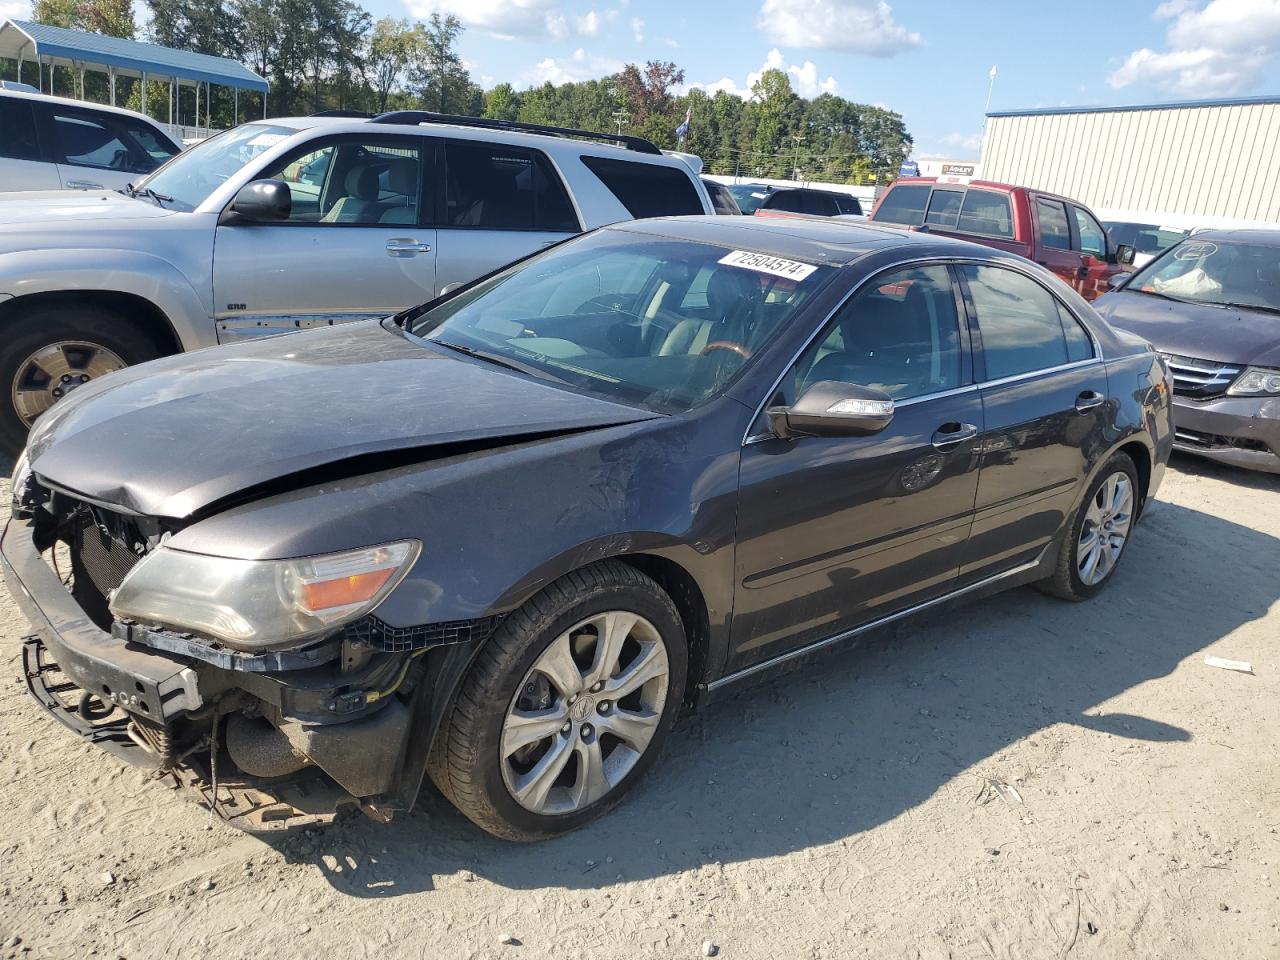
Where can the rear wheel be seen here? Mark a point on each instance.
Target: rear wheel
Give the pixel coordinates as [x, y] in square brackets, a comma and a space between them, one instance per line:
[566, 706]
[53, 349]
[1098, 534]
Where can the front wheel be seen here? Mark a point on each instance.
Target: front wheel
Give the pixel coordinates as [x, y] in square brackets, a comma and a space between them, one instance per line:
[1099, 533]
[53, 349]
[566, 706]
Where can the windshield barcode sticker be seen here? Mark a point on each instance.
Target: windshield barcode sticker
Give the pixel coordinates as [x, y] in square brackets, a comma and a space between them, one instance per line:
[763, 263]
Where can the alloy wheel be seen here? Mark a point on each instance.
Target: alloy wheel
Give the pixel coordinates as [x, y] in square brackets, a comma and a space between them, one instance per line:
[1106, 529]
[53, 371]
[585, 713]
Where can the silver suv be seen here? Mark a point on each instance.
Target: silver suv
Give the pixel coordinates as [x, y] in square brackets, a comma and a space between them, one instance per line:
[295, 223]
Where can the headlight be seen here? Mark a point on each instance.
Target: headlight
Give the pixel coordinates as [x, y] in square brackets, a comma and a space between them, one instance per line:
[21, 474]
[1256, 382]
[260, 603]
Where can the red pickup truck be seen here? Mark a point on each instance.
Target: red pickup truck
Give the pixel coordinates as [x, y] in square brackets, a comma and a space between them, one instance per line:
[1054, 231]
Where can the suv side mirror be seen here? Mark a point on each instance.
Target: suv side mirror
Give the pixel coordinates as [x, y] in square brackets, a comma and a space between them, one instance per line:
[261, 201]
[829, 408]
[1124, 254]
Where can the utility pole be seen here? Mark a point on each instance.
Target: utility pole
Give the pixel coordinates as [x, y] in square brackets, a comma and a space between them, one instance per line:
[799, 139]
[620, 117]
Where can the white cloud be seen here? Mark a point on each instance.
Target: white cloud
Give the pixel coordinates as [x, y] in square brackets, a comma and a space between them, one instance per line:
[573, 69]
[1219, 48]
[968, 142]
[804, 79]
[15, 10]
[508, 19]
[637, 29]
[854, 26]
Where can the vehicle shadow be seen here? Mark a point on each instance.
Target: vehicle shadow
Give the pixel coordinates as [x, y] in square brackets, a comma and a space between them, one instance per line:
[1190, 464]
[853, 741]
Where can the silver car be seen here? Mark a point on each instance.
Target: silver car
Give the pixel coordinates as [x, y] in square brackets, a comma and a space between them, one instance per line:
[295, 223]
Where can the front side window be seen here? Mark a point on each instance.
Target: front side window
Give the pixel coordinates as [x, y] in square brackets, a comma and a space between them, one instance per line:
[86, 141]
[788, 201]
[1054, 231]
[158, 147]
[354, 183]
[849, 205]
[497, 187]
[646, 189]
[1093, 239]
[1215, 271]
[986, 212]
[18, 130]
[900, 334]
[662, 324]
[1022, 329]
[189, 178]
[904, 204]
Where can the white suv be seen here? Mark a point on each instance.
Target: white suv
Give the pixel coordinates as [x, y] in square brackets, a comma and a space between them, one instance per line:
[51, 143]
[295, 223]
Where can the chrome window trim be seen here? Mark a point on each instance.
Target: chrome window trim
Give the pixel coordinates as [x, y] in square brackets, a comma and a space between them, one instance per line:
[748, 437]
[1041, 372]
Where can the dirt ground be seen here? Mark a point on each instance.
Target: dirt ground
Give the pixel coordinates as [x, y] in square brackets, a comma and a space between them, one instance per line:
[843, 811]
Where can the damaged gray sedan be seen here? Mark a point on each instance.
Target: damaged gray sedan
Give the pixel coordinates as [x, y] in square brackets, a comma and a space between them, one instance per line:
[502, 539]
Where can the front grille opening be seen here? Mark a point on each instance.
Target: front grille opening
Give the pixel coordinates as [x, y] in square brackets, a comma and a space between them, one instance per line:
[1200, 379]
[1216, 441]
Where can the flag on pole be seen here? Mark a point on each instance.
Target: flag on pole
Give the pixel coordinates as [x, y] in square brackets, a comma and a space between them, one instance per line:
[682, 131]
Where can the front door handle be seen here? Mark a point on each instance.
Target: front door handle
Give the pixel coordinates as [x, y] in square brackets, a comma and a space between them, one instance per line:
[951, 435]
[406, 247]
[1089, 400]
[83, 185]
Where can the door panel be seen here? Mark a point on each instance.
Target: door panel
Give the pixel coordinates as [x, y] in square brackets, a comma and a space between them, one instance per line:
[1053, 246]
[464, 255]
[352, 247]
[837, 532]
[1091, 240]
[28, 175]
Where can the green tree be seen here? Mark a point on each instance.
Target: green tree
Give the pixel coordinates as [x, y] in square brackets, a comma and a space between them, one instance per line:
[771, 95]
[111, 17]
[647, 92]
[502, 103]
[393, 45]
[441, 81]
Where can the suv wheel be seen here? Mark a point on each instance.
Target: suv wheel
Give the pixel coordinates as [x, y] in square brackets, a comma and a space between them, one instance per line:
[566, 706]
[51, 350]
[1098, 534]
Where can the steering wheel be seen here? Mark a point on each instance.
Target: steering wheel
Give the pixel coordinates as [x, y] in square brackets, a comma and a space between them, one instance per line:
[729, 345]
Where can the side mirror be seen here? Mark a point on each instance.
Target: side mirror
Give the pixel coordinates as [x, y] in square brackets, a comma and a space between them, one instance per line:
[829, 408]
[262, 201]
[1124, 254]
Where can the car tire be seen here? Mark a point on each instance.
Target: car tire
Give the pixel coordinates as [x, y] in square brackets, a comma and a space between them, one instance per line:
[552, 785]
[91, 340]
[1099, 533]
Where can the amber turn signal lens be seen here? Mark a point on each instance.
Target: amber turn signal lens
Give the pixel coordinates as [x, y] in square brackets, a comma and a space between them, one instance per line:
[344, 591]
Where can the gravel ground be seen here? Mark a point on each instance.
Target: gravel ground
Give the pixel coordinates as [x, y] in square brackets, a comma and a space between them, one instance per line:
[843, 811]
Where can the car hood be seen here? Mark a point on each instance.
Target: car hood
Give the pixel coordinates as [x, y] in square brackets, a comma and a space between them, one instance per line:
[51, 208]
[1224, 334]
[176, 436]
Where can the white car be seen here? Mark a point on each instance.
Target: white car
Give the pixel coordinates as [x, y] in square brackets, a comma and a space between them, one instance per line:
[52, 143]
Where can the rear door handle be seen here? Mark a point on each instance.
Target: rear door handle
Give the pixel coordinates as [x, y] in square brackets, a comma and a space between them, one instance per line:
[406, 247]
[1089, 400]
[83, 185]
[951, 435]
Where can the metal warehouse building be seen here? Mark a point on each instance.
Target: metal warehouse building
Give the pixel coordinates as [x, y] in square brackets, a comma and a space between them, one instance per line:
[1210, 158]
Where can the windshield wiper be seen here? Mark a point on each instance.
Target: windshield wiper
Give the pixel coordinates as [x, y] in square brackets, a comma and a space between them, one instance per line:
[159, 199]
[498, 359]
[1168, 296]
[1263, 308]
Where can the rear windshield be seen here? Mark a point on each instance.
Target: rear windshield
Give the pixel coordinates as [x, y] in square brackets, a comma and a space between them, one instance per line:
[646, 189]
[904, 204]
[659, 323]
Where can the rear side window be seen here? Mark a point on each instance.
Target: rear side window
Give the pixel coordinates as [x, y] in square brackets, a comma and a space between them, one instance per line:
[819, 204]
[646, 189]
[1022, 330]
[789, 201]
[1079, 343]
[497, 187]
[904, 204]
[988, 212]
[944, 208]
[721, 199]
[849, 205]
[1054, 231]
[18, 131]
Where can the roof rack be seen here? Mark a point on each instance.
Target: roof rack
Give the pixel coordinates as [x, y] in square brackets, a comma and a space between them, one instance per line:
[350, 114]
[414, 117]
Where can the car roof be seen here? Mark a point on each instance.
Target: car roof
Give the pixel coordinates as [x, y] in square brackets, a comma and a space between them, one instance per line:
[82, 104]
[514, 137]
[816, 239]
[965, 182]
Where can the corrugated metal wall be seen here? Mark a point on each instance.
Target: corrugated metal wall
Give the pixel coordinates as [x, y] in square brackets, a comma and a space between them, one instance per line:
[1213, 160]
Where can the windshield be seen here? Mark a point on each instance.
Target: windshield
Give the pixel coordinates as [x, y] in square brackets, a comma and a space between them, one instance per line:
[191, 176]
[749, 196]
[659, 323]
[1217, 272]
[1146, 238]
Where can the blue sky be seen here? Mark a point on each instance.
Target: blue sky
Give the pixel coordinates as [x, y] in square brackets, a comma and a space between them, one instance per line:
[927, 59]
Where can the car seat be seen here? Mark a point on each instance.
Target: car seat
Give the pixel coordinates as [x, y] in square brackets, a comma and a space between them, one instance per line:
[360, 205]
[734, 306]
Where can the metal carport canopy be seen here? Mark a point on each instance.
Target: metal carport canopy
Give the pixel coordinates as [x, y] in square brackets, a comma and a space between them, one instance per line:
[22, 39]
